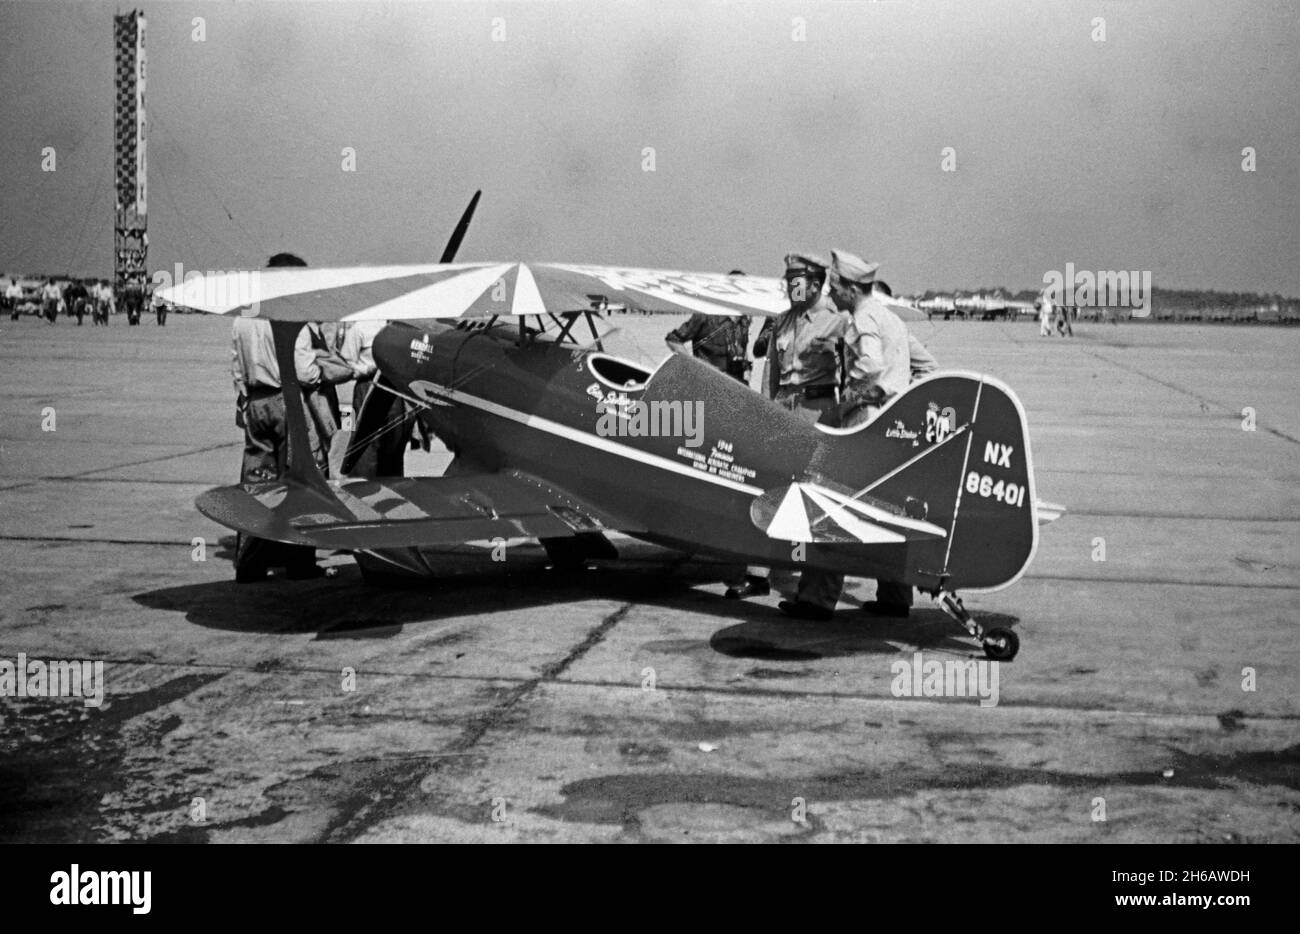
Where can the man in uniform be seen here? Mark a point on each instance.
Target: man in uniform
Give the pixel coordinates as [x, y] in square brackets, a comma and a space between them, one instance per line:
[921, 362]
[878, 361]
[102, 295]
[803, 347]
[1063, 326]
[14, 298]
[721, 341]
[50, 297]
[260, 411]
[806, 342]
[356, 340]
[132, 301]
[77, 298]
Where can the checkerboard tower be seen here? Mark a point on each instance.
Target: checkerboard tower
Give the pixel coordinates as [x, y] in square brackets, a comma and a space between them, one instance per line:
[130, 237]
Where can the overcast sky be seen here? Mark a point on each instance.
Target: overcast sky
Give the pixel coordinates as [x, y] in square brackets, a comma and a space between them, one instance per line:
[1120, 154]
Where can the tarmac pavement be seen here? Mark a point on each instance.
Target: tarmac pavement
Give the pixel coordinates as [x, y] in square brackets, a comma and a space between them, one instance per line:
[1155, 685]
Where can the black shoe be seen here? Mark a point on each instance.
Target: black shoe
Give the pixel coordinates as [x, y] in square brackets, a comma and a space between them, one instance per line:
[803, 610]
[875, 608]
[750, 587]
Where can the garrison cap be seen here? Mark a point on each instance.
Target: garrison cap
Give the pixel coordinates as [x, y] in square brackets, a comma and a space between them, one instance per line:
[852, 268]
[799, 263]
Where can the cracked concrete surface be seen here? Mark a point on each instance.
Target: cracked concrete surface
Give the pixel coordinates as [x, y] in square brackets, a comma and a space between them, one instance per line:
[630, 702]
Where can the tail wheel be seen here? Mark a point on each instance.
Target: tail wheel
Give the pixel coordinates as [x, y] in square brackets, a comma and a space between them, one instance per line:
[1001, 645]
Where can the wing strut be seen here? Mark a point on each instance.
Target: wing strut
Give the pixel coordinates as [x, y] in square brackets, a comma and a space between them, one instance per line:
[302, 466]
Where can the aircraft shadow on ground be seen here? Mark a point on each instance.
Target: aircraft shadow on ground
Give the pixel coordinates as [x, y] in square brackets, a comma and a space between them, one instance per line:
[470, 584]
[850, 633]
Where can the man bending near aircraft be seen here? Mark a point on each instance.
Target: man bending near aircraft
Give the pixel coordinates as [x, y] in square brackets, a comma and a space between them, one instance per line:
[721, 341]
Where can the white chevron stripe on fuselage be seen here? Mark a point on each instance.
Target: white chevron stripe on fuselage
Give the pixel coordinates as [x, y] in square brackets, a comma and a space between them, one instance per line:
[581, 437]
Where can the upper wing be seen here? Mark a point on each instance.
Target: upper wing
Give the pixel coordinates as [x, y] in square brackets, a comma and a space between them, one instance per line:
[361, 514]
[467, 290]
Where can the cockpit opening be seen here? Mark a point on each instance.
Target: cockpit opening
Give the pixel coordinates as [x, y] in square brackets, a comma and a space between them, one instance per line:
[618, 373]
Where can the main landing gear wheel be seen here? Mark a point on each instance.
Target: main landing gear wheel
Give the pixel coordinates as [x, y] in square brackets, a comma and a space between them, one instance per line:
[1001, 645]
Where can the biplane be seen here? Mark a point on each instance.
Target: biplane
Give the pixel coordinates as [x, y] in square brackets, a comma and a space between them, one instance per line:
[559, 440]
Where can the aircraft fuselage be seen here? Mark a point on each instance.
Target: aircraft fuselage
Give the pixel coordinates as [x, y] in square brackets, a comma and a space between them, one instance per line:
[681, 450]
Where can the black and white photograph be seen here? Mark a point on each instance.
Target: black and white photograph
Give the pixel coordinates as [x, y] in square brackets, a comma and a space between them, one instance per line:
[699, 421]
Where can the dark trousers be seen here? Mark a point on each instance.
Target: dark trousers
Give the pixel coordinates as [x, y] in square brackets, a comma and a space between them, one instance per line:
[893, 593]
[823, 588]
[266, 452]
[810, 407]
[379, 433]
[738, 369]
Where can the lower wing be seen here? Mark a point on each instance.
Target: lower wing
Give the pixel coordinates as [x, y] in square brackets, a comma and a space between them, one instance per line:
[363, 514]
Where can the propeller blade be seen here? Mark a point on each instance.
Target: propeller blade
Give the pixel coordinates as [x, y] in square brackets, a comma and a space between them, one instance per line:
[457, 235]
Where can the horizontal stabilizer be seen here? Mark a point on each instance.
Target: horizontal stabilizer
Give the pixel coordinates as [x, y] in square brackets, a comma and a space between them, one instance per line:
[813, 512]
[1047, 512]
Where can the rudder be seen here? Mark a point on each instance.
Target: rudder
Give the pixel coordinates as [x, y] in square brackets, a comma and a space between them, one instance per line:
[953, 450]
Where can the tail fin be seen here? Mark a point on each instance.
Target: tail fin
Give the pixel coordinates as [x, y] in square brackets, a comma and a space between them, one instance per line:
[953, 452]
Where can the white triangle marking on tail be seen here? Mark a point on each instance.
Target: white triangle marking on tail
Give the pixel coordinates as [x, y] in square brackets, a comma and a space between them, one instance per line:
[866, 532]
[790, 524]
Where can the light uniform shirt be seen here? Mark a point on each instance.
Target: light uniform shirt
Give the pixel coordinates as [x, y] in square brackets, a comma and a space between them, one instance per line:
[879, 355]
[357, 345]
[920, 361]
[14, 291]
[253, 364]
[51, 291]
[807, 345]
